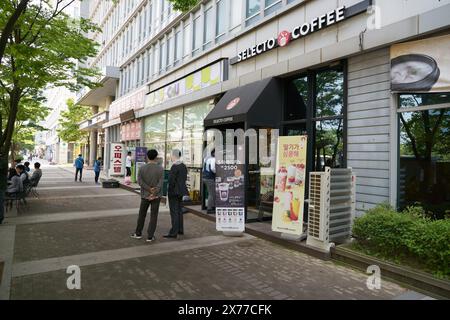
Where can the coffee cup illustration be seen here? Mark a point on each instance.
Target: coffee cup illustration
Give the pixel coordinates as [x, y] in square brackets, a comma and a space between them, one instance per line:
[223, 191]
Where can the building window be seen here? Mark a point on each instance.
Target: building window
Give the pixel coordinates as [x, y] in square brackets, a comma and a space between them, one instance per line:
[253, 8]
[314, 105]
[187, 40]
[208, 33]
[221, 21]
[178, 47]
[271, 6]
[424, 166]
[198, 35]
[235, 13]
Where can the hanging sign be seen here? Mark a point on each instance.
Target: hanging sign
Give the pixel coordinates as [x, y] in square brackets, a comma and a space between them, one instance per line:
[230, 196]
[117, 159]
[290, 185]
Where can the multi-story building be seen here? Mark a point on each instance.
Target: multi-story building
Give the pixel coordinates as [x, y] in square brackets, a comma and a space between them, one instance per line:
[57, 151]
[329, 65]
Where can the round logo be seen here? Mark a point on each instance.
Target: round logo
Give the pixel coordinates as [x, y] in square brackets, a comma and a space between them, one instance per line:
[233, 103]
[284, 38]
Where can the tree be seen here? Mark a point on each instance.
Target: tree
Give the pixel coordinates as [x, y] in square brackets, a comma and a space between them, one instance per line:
[184, 5]
[29, 116]
[42, 50]
[69, 121]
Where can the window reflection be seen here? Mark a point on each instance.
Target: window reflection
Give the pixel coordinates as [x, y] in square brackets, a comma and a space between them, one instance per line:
[329, 144]
[329, 93]
[425, 159]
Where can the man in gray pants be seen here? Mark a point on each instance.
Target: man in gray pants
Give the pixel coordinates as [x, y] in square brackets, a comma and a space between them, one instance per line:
[150, 178]
[209, 178]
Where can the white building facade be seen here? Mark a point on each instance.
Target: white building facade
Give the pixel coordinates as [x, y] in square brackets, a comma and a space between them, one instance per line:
[165, 71]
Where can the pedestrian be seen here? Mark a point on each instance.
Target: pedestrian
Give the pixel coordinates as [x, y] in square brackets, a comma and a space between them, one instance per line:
[79, 164]
[27, 166]
[15, 183]
[150, 178]
[37, 174]
[97, 168]
[209, 177]
[176, 191]
[128, 165]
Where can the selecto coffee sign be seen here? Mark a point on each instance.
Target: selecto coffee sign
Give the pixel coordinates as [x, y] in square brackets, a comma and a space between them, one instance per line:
[317, 24]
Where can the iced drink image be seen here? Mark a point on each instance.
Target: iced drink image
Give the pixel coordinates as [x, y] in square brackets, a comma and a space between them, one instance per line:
[281, 179]
[291, 175]
[230, 181]
[237, 182]
[223, 191]
[295, 209]
[300, 174]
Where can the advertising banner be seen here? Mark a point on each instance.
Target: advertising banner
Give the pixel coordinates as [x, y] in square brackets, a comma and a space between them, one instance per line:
[117, 167]
[290, 185]
[421, 66]
[141, 154]
[230, 196]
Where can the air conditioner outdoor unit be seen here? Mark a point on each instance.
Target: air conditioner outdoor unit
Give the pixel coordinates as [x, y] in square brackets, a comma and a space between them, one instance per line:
[331, 208]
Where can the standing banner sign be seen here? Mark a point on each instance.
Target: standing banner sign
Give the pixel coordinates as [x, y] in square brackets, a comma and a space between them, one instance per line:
[230, 196]
[141, 156]
[290, 185]
[117, 167]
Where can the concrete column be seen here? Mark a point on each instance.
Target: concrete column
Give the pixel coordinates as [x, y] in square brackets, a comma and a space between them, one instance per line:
[107, 151]
[92, 147]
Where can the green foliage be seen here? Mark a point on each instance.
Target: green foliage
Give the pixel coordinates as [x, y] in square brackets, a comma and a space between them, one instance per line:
[184, 5]
[69, 122]
[408, 235]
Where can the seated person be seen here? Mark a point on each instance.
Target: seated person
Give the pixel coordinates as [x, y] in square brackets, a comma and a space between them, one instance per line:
[23, 174]
[37, 174]
[14, 182]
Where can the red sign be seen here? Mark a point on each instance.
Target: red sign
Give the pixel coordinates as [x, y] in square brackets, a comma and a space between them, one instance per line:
[284, 38]
[233, 103]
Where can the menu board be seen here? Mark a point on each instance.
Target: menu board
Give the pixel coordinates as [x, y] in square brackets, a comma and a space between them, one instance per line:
[290, 185]
[230, 196]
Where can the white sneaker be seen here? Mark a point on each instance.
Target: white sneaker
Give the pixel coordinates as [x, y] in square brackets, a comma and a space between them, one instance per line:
[150, 239]
[135, 236]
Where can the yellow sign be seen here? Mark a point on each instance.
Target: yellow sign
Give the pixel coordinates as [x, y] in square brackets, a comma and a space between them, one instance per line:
[290, 185]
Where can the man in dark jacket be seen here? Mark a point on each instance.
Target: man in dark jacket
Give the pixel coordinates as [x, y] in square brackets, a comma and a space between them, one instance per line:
[176, 190]
[150, 178]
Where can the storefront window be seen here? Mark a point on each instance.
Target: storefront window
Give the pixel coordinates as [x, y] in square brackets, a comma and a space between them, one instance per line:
[424, 173]
[297, 99]
[155, 133]
[329, 93]
[315, 107]
[329, 144]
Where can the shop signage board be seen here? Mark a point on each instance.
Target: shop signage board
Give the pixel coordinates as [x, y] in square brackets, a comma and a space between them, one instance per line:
[230, 196]
[290, 185]
[117, 167]
[421, 66]
[141, 154]
[285, 37]
[133, 101]
[196, 81]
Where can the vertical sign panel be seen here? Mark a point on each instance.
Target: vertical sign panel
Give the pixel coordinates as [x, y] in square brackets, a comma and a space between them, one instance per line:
[230, 196]
[290, 185]
[117, 159]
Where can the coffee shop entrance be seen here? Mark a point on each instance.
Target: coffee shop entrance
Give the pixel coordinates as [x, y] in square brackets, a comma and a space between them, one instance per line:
[248, 110]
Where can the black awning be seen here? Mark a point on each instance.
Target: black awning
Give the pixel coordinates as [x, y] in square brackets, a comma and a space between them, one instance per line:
[257, 103]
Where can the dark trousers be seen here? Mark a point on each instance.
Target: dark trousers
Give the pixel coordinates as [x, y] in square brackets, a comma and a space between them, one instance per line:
[128, 171]
[154, 209]
[80, 170]
[97, 174]
[176, 215]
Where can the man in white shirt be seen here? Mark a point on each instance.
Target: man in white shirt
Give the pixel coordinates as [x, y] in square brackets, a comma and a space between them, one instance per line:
[128, 164]
[209, 177]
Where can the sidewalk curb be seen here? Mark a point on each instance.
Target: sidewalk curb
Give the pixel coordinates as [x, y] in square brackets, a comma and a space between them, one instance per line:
[405, 276]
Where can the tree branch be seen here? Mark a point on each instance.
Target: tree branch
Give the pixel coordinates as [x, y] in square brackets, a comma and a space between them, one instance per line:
[411, 137]
[9, 27]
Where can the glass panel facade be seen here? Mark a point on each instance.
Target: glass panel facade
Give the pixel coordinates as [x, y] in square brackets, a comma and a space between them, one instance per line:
[424, 170]
[328, 144]
[329, 93]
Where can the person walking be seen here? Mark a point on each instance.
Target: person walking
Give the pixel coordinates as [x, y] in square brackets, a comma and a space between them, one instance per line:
[97, 168]
[176, 190]
[150, 178]
[209, 177]
[79, 164]
[128, 165]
